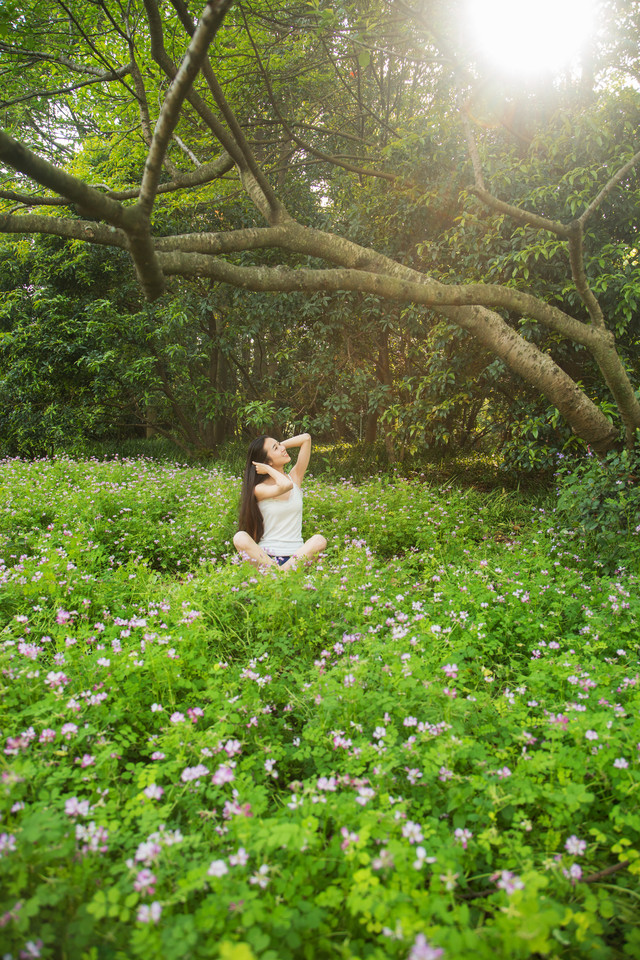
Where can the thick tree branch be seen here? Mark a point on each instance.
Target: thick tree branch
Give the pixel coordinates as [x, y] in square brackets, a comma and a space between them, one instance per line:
[204, 174]
[85, 197]
[204, 33]
[317, 243]
[32, 201]
[425, 291]
[88, 200]
[220, 132]
[87, 230]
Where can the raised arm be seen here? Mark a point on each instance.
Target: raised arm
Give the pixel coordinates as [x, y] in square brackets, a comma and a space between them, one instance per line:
[264, 491]
[304, 442]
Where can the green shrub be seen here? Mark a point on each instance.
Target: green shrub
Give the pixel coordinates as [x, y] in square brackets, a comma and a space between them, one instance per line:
[600, 498]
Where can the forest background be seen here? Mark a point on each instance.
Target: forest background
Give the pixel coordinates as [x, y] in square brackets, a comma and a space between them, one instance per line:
[349, 222]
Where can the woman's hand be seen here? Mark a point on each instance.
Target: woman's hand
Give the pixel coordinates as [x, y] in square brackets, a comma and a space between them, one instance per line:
[263, 468]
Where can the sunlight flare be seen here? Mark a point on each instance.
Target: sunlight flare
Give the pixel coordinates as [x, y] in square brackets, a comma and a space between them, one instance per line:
[527, 39]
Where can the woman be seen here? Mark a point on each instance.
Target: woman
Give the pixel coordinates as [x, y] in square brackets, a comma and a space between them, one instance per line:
[270, 532]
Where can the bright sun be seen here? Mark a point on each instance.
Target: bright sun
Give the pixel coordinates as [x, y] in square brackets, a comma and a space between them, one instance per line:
[530, 37]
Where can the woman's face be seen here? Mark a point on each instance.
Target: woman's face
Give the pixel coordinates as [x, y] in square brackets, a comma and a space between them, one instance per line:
[275, 452]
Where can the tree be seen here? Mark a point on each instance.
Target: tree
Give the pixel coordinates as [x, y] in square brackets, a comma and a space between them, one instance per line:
[325, 101]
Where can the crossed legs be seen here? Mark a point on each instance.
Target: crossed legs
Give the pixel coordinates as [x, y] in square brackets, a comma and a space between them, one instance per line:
[253, 552]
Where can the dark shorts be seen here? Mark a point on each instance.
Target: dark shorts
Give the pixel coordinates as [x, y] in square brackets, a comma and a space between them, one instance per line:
[281, 560]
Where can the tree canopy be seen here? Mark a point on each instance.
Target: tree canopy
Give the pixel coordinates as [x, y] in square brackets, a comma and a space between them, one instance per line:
[357, 150]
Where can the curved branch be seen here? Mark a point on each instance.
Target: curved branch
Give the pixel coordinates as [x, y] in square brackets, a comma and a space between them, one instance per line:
[218, 129]
[64, 184]
[314, 243]
[608, 187]
[35, 55]
[31, 201]
[525, 217]
[132, 221]
[115, 74]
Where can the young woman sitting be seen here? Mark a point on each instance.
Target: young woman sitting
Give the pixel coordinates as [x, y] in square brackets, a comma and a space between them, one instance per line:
[270, 533]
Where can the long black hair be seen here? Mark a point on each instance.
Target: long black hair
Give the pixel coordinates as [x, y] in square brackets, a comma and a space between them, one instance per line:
[250, 518]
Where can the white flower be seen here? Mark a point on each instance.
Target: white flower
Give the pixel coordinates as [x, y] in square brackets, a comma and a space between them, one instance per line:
[260, 878]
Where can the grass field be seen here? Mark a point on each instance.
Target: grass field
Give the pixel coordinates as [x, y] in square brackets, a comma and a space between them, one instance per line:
[424, 745]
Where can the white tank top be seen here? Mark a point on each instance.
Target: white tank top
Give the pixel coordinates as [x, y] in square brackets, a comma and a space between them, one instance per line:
[282, 524]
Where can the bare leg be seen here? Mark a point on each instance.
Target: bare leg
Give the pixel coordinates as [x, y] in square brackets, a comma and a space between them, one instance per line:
[315, 545]
[249, 550]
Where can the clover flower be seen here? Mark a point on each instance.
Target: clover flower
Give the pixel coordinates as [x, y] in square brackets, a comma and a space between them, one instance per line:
[412, 832]
[150, 913]
[462, 836]
[224, 774]
[573, 873]
[348, 838]
[422, 949]
[153, 791]
[422, 858]
[7, 843]
[194, 773]
[327, 783]
[77, 808]
[145, 882]
[239, 859]
[260, 878]
[507, 881]
[93, 837]
[575, 846]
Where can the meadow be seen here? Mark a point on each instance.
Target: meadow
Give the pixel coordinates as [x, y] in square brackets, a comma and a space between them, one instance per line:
[424, 745]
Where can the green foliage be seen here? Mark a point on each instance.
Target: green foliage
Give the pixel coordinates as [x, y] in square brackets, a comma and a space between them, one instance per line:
[600, 498]
[431, 732]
